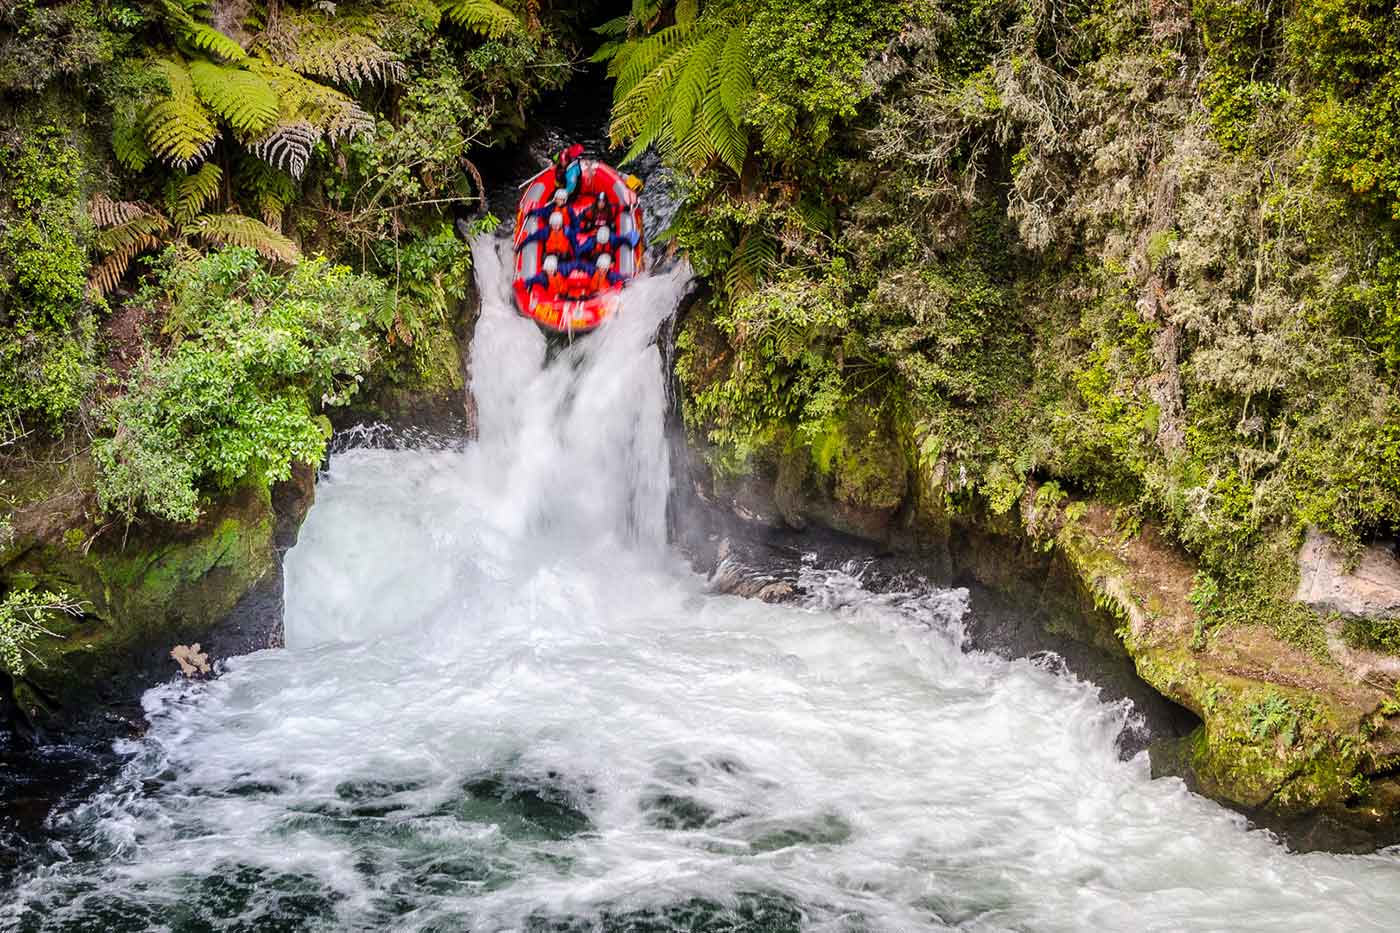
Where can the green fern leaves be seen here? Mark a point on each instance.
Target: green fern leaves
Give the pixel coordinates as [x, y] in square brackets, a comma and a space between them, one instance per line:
[483, 17]
[179, 128]
[684, 89]
[240, 97]
[209, 40]
[188, 197]
[237, 230]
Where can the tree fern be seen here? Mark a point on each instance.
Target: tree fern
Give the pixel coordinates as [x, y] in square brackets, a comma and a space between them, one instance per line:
[133, 229]
[179, 128]
[209, 40]
[684, 89]
[694, 82]
[241, 97]
[753, 258]
[108, 213]
[735, 74]
[483, 17]
[270, 190]
[238, 230]
[315, 44]
[189, 196]
[129, 142]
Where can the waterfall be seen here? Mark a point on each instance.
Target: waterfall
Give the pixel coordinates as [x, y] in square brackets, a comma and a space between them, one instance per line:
[505, 705]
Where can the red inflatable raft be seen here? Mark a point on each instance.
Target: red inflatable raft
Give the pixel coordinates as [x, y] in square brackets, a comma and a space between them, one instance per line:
[568, 307]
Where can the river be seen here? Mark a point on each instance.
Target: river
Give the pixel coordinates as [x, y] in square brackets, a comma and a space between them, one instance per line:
[506, 705]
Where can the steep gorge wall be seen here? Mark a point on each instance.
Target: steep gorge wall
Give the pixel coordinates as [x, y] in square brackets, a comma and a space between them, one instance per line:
[1303, 743]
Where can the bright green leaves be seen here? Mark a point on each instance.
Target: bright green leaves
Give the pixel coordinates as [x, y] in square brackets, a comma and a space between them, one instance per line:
[248, 232]
[241, 98]
[683, 90]
[179, 128]
[188, 197]
[237, 396]
[482, 17]
[209, 40]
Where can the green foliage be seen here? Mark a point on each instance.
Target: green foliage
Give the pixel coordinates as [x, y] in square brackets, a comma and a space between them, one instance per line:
[252, 358]
[42, 42]
[483, 17]
[46, 328]
[188, 197]
[693, 88]
[24, 617]
[1273, 716]
[239, 97]
[1351, 48]
[1079, 245]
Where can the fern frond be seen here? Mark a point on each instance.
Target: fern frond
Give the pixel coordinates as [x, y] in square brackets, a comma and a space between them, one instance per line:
[179, 129]
[484, 17]
[239, 96]
[124, 242]
[288, 146]
[646, 55]
[638, 107]
[210, 40]
[105, 276]
[193, 193]
[312, 45]
[270, 189]
[129, 142]
[140, 232]
[238, 230]
[694, 81]
[730, 140]
[687, 10]
[303, 100]
[108, 213]
[735, 73]
[617, 26]
[753, 258]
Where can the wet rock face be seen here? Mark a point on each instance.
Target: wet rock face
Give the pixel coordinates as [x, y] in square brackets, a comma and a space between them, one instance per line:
[217, 583]
[1329, 582]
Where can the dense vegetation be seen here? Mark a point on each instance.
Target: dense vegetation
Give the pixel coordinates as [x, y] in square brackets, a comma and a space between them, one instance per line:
[1149, 252]
[220, 220]
[289, 129]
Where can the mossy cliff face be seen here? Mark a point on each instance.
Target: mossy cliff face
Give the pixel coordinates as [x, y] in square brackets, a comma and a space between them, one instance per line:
[1304, 741]
[144, 592]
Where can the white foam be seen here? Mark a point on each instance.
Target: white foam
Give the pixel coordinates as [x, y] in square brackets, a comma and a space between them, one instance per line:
[509, 611]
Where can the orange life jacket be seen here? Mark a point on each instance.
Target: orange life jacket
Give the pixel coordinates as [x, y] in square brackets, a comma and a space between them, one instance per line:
[558, 242]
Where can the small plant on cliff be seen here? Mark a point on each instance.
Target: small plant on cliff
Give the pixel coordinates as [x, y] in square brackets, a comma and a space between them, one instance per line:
[1273, 715]
[235, 396]
[23, 616]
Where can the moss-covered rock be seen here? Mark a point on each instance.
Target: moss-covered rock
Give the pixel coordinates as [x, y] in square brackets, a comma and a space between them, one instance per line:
[144, 590]
[1301, 737]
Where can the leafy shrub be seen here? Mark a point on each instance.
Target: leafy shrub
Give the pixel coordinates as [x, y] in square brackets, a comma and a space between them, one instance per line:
[23, 616]
[46, 328]
[234, 396]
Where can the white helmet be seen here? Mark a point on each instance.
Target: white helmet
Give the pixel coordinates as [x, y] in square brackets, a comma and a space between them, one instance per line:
[556, 220]
[560, 196]
[551, 264]
[604, 261]
[603, 234]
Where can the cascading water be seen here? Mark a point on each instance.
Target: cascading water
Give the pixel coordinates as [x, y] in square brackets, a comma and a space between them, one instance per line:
[504, 705]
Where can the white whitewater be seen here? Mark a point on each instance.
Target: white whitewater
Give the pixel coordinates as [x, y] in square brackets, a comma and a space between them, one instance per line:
[505, 706]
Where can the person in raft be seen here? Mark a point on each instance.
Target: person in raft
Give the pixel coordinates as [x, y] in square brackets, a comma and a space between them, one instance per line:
[558, 234]
[567, 170]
